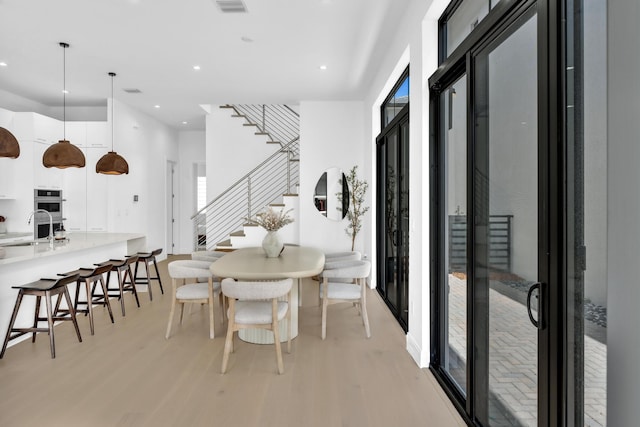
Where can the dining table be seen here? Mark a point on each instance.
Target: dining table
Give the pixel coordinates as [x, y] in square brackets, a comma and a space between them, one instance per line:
[251, 264]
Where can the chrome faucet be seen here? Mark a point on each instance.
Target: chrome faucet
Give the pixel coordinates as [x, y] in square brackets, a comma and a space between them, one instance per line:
[50, 224]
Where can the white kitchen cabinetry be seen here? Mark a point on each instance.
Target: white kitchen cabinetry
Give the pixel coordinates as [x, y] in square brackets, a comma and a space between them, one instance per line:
[98, 135]
[7, 178]
[76, 133]
[85, 192]
[44, 177]
[97, 194]
[74, 207]
[36, 127]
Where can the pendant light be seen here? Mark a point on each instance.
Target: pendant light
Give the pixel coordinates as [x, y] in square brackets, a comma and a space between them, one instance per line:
[112, 163]
[63, 154]
[9, 146]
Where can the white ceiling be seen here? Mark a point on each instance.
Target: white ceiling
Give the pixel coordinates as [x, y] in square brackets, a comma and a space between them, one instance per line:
[153, 45]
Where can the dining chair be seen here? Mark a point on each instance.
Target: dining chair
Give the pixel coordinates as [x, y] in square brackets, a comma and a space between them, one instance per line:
[198, 292]
[343, 256]
[207, 255]
[255, 305]
[334, 289]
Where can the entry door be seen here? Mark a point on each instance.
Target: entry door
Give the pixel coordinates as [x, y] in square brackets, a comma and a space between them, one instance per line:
[393, 216]
[491, 223]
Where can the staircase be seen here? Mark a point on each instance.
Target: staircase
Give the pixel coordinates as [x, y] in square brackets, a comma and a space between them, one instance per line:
[225, 222]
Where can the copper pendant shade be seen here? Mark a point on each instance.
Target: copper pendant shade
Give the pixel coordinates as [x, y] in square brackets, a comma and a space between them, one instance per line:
[112, 163]
[9, 146]
[63, 154]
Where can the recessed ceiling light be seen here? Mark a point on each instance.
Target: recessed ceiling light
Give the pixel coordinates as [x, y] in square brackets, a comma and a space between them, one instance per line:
[184, 123]
[156, 106]
[65, 91]
[246, 39]
[323, 67]
[196, 67]
[3, 64]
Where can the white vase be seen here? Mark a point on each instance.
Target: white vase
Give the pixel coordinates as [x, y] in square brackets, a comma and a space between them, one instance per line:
[272, 244]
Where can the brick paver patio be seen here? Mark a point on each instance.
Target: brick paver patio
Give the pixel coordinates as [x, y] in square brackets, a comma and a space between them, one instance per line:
[513, 360]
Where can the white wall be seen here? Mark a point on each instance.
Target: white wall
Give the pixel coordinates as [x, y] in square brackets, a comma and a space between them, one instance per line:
[232, 149]
[146, 144]
[414, 42]
[331, 135]
[623, 176]
[192, 151]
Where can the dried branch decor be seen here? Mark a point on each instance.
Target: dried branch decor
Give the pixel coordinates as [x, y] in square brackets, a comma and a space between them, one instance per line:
[357, 191]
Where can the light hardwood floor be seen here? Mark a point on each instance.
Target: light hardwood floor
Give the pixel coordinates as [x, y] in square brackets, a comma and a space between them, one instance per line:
[127, 374]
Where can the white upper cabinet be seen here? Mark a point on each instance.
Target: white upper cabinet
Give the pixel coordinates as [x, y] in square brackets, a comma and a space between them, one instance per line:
[7, 178]
[44, 177]
[98, 135]
[77, 133]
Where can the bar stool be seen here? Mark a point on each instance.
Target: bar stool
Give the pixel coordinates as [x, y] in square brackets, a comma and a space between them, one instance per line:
[42, 288]
[122, 268]
[90, 277]
[148, 258]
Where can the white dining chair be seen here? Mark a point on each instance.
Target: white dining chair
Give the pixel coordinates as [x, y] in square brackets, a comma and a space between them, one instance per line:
[343, 256]
[256, 305]
[210, 256]
[201, 292]
[334, 288]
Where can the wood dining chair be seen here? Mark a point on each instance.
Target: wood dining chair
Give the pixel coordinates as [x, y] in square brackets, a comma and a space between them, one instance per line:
[334, 289]
[257, 305]
[198, 292]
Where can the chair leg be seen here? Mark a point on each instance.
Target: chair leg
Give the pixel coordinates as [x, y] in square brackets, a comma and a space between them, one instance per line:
[106, 296]
[363, 310]
[276, 341]
[12, 322]
[133, 284]
[158, 275]
[173, 310]
[146, 266]
[73, 313]
[35, 318]
[212, 326]
[52, 341]
[324, 317]
[121, 288]
[228, 343]
[89, 303]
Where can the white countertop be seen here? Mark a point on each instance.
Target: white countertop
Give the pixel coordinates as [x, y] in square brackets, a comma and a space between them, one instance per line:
[76, 241]
[8, 237]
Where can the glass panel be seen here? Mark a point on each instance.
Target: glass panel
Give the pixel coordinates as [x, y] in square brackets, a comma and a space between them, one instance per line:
[398, 100]
[506, 226]
[391, 219]
[404, 222]
[587, 212]
[453, 102]
[464, 20]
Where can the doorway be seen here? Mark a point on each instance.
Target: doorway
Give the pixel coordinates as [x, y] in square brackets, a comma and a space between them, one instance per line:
[171, 207]
[392, 157]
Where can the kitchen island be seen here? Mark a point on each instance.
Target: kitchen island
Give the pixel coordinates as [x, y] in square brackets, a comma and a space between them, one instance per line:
[22, 262]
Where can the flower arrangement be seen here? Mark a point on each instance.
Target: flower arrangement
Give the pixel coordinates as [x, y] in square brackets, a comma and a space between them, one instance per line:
[271, 220]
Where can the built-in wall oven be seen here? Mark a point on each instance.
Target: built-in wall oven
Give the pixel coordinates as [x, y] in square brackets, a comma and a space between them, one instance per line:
[50, 201]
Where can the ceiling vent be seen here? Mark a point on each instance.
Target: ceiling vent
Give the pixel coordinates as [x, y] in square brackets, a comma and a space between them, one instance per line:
[132, 90]
[231, 6]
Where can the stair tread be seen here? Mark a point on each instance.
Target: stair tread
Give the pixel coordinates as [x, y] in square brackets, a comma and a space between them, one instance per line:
[250, 224]
[277, 204]
[273, 142]
[238, 233]
[261, 133]
[224, 243]
[249, 124]
[226, 106]
[290, 195]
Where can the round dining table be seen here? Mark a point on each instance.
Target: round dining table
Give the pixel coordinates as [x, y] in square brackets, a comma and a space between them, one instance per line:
[295, 262]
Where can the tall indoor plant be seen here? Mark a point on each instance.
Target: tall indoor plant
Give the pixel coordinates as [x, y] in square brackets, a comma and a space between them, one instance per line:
[357, 191]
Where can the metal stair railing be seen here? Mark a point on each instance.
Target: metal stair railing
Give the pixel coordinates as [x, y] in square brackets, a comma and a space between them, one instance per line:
[279, 123]
[263, 185]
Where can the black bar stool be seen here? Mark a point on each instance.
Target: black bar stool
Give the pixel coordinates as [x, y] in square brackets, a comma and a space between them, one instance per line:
[122, 268]
[90, 277]
[46, 288]
[148, 258]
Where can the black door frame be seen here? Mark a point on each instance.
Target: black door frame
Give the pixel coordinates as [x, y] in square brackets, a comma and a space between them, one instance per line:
[395, 125]
[551, 147]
